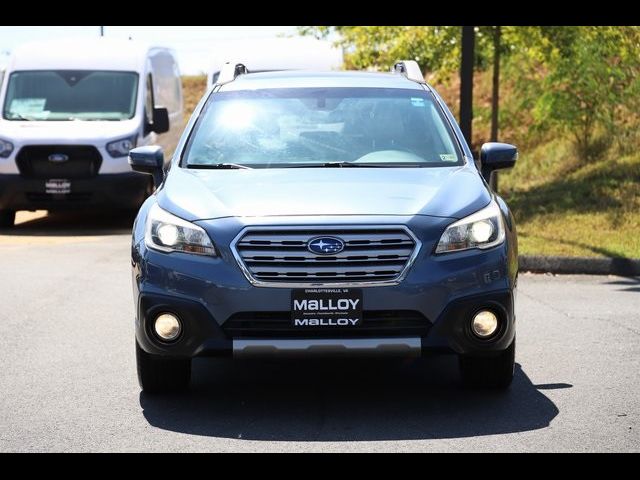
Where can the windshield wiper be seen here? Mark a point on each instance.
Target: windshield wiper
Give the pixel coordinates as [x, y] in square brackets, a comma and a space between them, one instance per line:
[338, 165]
[219, 166]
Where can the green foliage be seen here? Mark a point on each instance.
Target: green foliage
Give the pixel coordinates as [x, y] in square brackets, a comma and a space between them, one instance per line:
[436, 49]
[592, 81]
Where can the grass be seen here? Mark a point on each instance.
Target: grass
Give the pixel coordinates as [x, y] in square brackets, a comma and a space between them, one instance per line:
[562, 206]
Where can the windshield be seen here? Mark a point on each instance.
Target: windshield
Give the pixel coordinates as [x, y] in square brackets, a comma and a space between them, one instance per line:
[274, 128]
[71, 95]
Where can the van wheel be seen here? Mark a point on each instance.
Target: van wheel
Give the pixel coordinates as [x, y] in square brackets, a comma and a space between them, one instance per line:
[7, 218]
[157, 374]
[489, 372]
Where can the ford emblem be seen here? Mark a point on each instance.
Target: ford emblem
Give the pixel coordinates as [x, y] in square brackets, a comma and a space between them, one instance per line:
[58, 157]
[325, 245]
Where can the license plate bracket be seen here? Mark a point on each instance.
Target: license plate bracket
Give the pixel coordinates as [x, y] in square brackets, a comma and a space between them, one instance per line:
[57, 186]
[326, 308]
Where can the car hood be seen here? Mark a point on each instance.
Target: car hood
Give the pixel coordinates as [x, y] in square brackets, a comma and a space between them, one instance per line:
[57, 132]
[207, 194]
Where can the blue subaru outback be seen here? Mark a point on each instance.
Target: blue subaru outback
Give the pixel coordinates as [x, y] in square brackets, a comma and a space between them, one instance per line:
[326, 214]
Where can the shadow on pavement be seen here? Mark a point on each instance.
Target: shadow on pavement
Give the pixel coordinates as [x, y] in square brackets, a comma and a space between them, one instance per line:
[360, 400]
[630, 284]
[552, 386]
[74, 223]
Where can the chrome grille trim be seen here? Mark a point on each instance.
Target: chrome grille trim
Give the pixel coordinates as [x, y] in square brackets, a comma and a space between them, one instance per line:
[277, 256]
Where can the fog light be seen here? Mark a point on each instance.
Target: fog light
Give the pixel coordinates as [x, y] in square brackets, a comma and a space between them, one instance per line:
[484, 324]
[167, 326]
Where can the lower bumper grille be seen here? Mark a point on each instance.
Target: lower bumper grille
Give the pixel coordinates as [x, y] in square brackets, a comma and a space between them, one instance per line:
[50, 197]
[375, 324]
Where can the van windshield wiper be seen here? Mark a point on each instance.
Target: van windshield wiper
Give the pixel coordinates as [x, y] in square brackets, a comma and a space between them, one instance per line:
[219, 166]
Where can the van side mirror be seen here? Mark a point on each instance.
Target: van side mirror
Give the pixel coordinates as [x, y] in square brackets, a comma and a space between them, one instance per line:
[150, 160]
[496, 156]
[160, 120]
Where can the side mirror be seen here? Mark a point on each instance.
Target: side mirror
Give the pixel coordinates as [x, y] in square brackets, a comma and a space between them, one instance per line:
[149, 160]
[160, 120]
[495, 156]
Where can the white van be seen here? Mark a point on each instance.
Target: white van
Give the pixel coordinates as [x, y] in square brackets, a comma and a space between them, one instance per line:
[71, 111]
[285, 53]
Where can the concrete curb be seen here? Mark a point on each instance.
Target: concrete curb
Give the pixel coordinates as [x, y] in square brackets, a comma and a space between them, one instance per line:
[625, 267]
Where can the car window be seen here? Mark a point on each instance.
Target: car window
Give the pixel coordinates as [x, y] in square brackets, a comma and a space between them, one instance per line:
[295, 127]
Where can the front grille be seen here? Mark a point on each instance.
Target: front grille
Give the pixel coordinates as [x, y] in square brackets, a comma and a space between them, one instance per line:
[83, 161]
[375, 324]
[281, 255]
[37, 197]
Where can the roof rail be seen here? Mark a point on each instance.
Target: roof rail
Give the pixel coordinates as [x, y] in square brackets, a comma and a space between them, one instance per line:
[230, 71]
[410, 69]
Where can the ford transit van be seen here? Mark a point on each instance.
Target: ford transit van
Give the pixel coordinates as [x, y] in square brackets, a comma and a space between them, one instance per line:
[71, 111]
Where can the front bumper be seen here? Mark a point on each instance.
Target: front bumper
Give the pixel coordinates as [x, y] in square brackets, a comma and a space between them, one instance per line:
[120, 190]
[204, 336]
[429, 310]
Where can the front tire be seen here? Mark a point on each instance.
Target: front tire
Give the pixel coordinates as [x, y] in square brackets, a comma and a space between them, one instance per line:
[7, 218]
[489, 372]
[157, 374]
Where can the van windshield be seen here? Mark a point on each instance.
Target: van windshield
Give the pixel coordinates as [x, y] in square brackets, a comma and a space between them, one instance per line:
[71, 95]
[321, 127]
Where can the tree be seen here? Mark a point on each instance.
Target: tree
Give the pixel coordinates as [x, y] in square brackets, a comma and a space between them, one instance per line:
[436, 49]
[466, 81]
[592, 79]
[495, 87]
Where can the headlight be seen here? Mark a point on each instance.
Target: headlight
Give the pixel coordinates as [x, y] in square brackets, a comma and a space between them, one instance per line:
[5, 148]
[483, 229]
[120, 148]
[168, 233]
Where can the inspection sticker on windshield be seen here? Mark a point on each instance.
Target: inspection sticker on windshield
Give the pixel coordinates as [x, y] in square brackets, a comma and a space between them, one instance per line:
[417, 101]
[448, 157]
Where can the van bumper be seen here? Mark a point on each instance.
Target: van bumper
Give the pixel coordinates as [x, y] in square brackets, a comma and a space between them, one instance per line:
[119, 191]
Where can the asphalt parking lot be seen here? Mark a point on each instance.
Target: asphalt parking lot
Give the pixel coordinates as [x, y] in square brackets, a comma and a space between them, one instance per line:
[68, 380]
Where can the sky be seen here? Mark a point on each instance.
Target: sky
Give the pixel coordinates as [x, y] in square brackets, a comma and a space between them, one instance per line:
[193, 45]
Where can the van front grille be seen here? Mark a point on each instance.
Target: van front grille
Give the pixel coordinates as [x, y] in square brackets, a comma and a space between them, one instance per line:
[282, 255]
[38, 197]
[58, 161]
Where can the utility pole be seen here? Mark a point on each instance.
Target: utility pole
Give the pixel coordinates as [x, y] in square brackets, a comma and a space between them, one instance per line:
[495, 96]
[102, 31]
[466, 81]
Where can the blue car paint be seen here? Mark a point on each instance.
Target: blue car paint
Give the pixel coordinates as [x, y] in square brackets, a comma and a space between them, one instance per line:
[453, 192]
[223, 202]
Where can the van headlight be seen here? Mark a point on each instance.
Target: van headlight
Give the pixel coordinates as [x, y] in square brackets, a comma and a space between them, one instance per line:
[483, 229]
[120, 148]
[168, 233]
[5, 148]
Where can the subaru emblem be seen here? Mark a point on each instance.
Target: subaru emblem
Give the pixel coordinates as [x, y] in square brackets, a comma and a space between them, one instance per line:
[58, 157]
[325, 245]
